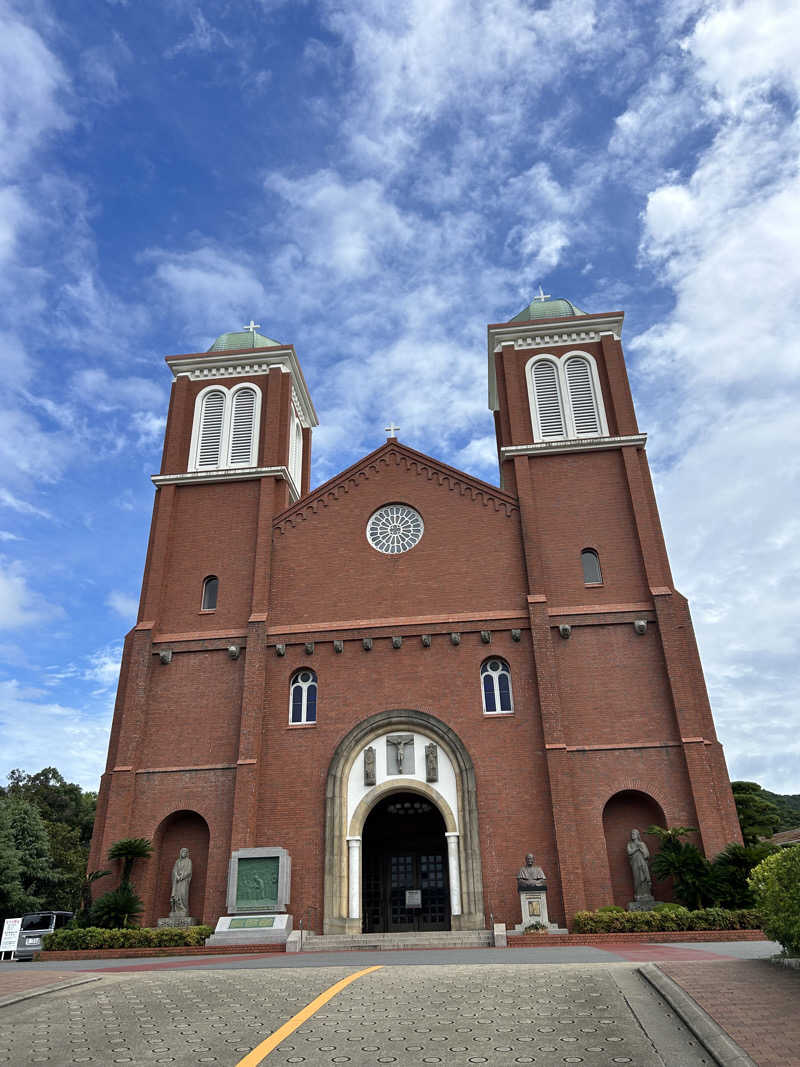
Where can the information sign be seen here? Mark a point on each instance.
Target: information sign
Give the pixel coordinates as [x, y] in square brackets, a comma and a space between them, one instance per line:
[8, 943]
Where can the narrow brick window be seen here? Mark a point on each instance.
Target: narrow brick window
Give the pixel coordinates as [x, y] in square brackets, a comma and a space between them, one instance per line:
[496, 687]
[590, 561]
[210, 592]
[303, 697]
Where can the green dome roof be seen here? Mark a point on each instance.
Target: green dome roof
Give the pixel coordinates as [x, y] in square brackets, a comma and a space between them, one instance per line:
[226, 342]
[547, 309]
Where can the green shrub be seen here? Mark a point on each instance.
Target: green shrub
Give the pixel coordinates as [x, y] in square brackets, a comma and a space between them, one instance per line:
[94, 937]
[775, 883]
[667, 917]
[120, 907]
[609, 908]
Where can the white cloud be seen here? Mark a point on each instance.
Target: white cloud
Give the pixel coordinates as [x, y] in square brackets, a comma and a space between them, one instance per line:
[79, 738]
[21, 606]
[203, 38]
[748, 48]
[34, 88]
[125, 605]
[103, 667]
[720, 381]
[6, 535]
[8, 500]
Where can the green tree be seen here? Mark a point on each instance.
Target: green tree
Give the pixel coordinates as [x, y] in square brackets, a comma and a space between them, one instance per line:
[758, 816]
[684, 863]
[129, 849]
[731, 869]
[38, 876]
[775, 882]
[11, 892]
[58, 800]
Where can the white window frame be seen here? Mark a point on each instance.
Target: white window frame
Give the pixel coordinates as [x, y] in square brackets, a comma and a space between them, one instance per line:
[560, 363]
[495, 676]
[295, 680]
[295, 448]
[225, 441]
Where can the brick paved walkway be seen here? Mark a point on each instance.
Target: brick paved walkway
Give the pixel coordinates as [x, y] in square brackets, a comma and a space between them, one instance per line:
[756, 1002]
[23, 980]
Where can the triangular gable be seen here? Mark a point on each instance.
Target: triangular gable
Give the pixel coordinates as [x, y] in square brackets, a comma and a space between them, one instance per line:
[393, 453]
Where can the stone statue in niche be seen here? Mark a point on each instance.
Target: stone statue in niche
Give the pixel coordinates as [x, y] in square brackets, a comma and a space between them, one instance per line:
[181, 879]
[431, 763]
[400, 754]
[638, 855]
[531, 876]
[369, 766]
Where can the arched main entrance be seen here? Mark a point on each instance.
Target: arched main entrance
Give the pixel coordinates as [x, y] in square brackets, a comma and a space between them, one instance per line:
[392, 753]
[404, 882]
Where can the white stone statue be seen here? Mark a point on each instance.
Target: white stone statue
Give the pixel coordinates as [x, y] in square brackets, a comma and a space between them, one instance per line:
[638, 855]
[181, 878]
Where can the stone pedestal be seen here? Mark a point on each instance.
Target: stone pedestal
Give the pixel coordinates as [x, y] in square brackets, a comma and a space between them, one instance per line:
[533, 906]
[178, 921]
[642, 904]
[251, 930]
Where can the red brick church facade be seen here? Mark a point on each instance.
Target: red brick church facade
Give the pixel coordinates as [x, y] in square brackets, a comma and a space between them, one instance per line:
[524, 646]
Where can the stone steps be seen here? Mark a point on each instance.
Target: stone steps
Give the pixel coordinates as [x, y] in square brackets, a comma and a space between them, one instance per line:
[376, 942]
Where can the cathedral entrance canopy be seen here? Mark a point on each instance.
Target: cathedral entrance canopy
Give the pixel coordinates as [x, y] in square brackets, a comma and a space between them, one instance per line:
[394, 753]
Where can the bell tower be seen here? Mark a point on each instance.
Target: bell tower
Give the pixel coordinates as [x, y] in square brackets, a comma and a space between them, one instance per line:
[237, 452]
[617, 667]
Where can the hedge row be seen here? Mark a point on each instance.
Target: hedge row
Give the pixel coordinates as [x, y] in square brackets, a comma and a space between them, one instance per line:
[672, 918]
[92, 937]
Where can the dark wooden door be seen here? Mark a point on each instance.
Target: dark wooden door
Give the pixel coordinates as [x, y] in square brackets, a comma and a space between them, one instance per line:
[401, 855]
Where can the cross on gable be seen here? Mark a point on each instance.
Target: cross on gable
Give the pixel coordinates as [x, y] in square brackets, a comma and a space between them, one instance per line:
[391, 429]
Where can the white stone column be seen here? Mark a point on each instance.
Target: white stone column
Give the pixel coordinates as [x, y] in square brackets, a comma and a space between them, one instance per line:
[454, 872]
[354, 877]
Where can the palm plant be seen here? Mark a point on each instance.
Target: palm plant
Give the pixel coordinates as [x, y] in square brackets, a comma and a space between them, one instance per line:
[129, 849]
[683, 862]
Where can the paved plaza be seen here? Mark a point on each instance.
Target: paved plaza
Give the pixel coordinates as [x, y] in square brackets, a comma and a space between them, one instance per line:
[448, 1008]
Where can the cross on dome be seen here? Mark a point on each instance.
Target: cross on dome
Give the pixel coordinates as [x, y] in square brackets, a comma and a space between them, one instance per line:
[256, 326]
[391, 430]
[542, 295]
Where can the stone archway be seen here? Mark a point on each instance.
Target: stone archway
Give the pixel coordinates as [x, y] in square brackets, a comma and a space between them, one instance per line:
[624, 811]
[354, 789]
[180, 829]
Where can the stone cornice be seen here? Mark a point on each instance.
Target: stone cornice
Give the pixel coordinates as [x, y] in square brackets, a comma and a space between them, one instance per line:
[245, 363]
[234, 474]
[575, 444]
[548, 333]
[401, 455]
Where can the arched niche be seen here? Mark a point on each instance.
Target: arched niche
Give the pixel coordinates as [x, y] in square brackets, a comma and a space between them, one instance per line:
[180, 829]
[348, 802]
[624, 811]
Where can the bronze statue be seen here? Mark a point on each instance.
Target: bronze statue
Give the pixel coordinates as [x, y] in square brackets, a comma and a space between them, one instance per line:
[531, 876]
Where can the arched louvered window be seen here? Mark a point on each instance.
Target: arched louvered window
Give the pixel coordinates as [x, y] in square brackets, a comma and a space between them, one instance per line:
[225, 431]
[295, 449]
[582, 398]
[303, 697]
[211, 429]
[243, 425]
[590, 561]
[496, 687]
[549, 408]
[210, 592]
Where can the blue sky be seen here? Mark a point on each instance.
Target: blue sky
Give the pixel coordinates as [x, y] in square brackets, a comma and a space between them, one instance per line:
[375, 182]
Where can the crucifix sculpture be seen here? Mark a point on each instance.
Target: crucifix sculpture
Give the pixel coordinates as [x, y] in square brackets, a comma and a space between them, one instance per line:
[400, 741]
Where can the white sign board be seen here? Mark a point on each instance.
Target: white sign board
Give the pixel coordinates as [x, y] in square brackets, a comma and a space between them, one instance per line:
[10, 935]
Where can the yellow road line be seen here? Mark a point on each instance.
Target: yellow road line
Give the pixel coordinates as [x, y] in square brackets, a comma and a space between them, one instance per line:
[260, 1052]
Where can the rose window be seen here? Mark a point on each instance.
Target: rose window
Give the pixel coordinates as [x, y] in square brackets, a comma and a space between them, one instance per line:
[394, 528]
